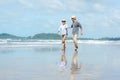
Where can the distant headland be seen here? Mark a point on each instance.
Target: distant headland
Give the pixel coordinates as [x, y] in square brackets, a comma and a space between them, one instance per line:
[47, 36]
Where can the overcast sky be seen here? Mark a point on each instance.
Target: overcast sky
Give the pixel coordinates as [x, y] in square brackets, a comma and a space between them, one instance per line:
[99, 18]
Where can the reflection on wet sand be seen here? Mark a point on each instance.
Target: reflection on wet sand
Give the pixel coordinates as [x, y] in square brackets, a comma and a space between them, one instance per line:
[75, 67]
[63, 63]
[45, 49]
[6, 50]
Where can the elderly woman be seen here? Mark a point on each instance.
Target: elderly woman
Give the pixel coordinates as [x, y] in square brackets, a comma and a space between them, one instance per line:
[63, 31]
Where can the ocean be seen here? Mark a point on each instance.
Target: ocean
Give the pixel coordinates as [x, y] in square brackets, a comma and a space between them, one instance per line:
[44, 60]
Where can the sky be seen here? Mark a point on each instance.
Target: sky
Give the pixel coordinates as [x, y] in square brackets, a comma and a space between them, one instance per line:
[99, 18]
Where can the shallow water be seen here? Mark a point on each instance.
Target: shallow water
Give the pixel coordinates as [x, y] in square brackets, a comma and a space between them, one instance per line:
[91, 62]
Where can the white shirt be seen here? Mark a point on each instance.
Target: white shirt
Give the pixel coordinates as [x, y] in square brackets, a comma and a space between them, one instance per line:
[63, 29]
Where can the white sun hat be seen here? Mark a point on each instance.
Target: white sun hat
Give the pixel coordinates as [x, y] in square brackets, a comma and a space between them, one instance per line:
[63, 20]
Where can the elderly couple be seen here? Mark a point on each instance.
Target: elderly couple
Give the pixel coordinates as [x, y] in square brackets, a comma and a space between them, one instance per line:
[75, 30]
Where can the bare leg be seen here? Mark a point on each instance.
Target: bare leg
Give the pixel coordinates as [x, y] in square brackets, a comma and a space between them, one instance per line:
[63, 42]
[75, 41]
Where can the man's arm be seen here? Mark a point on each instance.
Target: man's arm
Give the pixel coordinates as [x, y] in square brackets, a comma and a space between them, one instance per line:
[69, 26]
[81, 31]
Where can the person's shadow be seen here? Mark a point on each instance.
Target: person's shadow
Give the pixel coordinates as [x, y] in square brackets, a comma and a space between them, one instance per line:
[75, 67]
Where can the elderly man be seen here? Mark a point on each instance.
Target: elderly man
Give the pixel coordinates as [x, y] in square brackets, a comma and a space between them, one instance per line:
[75, 30]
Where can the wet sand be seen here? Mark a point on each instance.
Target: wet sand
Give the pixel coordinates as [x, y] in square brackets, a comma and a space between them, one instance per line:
[91, 62]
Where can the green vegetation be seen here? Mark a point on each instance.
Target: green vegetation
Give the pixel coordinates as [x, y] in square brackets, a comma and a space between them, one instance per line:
[36, 36]
[107, 38]
[9, 36]
[46, 36]
[53, 36]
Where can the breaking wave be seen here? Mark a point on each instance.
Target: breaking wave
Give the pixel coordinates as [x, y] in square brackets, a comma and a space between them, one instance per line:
[32, 43]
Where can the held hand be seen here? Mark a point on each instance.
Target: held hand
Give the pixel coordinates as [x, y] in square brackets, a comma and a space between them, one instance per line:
[81, 33]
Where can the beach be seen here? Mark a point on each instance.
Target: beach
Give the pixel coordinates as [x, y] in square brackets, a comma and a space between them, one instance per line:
[95, 60]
